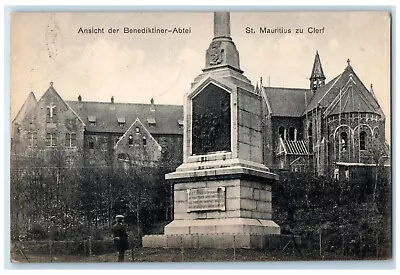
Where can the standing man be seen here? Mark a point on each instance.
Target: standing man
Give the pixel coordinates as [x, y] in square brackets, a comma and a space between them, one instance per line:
[120, 237]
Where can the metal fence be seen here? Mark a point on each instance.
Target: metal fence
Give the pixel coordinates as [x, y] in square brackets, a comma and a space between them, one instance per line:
[308, 246]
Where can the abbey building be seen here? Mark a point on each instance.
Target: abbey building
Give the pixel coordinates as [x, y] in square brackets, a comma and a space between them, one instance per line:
[331, 128]
[327, 128]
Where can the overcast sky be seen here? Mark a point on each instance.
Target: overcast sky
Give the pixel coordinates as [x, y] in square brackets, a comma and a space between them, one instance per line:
[46, 47]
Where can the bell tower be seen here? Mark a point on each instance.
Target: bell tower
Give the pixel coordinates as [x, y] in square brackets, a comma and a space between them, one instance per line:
[317, 78]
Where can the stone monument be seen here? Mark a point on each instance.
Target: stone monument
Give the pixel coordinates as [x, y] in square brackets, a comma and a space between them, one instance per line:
[222, 191]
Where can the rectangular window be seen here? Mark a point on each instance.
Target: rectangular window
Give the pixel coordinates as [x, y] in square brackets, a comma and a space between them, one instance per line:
[32, 139]
[70, 163]
[70, 140]
[91, 144]
[51, 140]
[104, 144]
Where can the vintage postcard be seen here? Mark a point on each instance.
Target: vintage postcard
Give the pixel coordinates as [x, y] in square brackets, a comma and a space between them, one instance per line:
[200, 136]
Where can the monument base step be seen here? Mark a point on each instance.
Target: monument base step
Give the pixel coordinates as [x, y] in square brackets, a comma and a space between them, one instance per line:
[215, 233]
[222, 226]
[216, 241]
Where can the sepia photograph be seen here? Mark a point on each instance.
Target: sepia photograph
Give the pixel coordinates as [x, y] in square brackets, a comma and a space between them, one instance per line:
[226, 136]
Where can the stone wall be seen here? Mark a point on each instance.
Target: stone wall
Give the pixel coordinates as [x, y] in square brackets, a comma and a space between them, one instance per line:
[244, 199]
[353, 124]
[250, 139]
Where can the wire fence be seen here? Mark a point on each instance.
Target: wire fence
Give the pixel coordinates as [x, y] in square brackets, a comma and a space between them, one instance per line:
[308, 246]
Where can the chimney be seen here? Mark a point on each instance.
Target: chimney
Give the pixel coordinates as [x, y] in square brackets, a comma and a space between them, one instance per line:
[152, 105]
[80, 98]
[112, 106]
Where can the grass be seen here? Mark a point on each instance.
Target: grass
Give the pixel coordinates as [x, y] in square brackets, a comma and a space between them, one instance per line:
[176, 255]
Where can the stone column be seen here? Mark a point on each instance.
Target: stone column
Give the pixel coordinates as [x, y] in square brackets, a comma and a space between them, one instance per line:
[222, 24]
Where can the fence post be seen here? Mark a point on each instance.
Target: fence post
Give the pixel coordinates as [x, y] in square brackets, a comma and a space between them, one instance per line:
[50, 252]
[342, 244]
[320, 243]
[234, 248]
[182, 258]
[293, 240]
[84, 247]
[90, 246]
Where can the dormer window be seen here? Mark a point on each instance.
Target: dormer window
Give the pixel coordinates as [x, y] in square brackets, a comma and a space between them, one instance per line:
[151, 121]
[121, 121]
[92, 120]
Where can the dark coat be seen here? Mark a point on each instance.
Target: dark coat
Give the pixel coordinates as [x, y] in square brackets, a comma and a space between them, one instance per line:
[120, 237]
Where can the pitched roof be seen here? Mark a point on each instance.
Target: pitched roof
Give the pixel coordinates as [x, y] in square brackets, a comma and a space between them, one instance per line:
[350, 100]
[137, 122]
[293, 147]
[29, 103]
[53, 91]
[327, 94]
[287, 102]
[317, 71]
[108, 116]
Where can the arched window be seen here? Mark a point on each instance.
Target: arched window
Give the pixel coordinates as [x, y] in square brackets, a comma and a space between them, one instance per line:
[343, 141]
[363, 136]
[314, 84]
[291, 133]
[376, 133]
[144, 141]
[123, 156]
[130, 140]
[282, 132]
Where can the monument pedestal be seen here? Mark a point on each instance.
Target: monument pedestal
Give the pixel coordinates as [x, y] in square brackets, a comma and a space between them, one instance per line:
[222, 191]
[225, 204]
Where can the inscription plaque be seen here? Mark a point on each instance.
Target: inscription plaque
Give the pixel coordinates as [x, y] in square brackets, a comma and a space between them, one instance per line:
[206, 199]
[211, 121]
